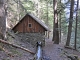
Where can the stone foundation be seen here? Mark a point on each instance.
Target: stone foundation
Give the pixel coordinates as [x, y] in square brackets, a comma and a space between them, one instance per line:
[32, 38]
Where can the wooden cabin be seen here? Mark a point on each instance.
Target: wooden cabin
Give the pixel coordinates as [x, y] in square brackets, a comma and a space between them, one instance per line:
[32, 28]
[30, 24]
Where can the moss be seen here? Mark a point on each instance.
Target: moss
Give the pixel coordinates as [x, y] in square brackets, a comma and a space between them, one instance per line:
[1, 48]
[5, 59]
[16, 52]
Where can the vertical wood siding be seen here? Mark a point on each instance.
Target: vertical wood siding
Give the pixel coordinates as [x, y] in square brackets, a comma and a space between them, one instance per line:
[23, 26]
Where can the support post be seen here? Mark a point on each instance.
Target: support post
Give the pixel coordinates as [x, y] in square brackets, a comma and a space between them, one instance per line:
[48, 34]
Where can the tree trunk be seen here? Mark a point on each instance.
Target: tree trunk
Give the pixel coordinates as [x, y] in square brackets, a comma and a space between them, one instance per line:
[60, 24]
[60, 28]
[76, 25]
[2, 19]
[47, 23]
[17, 17]
[37, 8]
[70, 23]
[55, 29]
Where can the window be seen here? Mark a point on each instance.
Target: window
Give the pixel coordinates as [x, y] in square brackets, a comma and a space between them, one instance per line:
[29, 25]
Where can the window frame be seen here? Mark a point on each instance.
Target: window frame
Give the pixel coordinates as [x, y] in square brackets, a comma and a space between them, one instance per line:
[30, 25]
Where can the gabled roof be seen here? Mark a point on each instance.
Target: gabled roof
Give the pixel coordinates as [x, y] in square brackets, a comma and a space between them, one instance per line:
[36, 19]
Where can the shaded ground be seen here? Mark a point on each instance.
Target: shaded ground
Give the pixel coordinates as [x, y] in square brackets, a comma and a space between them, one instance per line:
[50, 51]
[56, 52]
[16, 53]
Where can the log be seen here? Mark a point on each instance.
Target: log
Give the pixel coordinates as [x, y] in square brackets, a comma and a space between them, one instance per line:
[72, 57]
[16, 46]
[68, 47]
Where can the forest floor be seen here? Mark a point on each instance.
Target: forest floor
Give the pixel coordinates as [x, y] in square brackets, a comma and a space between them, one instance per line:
[12, 53]
[50, 51]
[57, 52]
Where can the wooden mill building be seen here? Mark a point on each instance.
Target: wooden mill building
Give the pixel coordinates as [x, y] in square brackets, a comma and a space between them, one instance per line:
[33, 27]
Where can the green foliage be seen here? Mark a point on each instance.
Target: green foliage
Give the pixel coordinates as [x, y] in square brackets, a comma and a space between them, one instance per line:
[23, 6]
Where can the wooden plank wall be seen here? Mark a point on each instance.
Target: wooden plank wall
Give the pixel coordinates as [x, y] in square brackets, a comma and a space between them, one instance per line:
[23, 26]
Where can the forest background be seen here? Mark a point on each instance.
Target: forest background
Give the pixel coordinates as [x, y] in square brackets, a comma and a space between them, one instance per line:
[43, 9]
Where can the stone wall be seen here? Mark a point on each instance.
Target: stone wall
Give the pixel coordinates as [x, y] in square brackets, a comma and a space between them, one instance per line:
[32, 38]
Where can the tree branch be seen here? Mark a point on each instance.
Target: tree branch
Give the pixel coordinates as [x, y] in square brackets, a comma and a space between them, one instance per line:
[25, 49]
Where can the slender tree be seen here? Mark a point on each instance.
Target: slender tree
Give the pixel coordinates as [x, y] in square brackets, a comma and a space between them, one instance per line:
[60, 24]
[18, 10]
[76, 25]
[70, 23]
[2, 19]
[55, 29]
[47, 13]
[37, 7]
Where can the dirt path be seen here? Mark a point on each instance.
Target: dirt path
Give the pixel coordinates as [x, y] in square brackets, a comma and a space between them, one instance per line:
[51, 50]
[55, 51]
